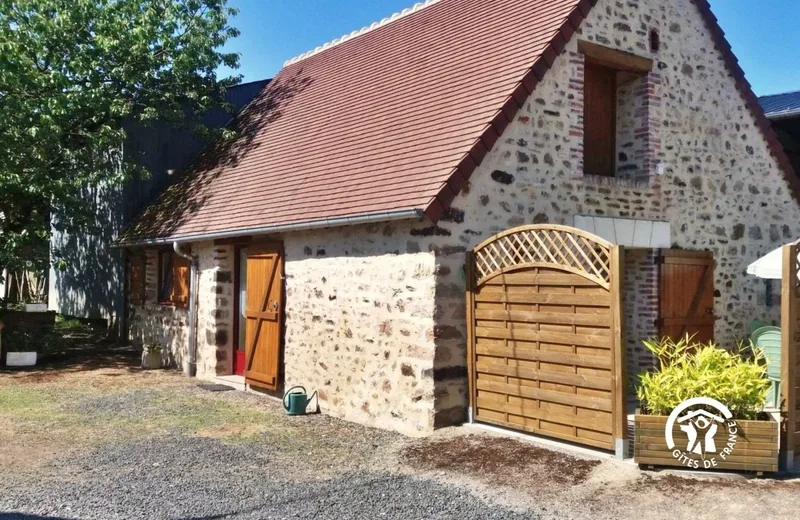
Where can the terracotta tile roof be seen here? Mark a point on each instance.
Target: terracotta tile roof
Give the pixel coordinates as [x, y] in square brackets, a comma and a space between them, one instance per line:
[393, 119]
[384, 123]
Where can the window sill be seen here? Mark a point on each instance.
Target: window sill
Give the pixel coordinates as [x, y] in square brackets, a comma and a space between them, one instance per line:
[173, 305]
[606, 180]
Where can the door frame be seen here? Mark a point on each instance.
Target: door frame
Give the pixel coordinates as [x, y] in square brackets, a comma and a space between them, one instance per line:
[237, 297]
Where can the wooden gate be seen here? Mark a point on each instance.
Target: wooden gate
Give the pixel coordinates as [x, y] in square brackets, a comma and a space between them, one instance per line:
[686, 295]
[264, 315]
[545, 335]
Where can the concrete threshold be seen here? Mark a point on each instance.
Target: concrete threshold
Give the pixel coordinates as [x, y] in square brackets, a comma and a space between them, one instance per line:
[237, 382]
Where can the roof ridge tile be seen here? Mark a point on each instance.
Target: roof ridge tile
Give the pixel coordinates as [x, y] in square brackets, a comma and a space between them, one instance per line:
[375, 25]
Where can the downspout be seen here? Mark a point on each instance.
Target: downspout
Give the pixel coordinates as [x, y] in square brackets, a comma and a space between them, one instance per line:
[191, 366]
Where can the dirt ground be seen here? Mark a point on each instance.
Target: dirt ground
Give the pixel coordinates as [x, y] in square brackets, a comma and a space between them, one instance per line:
[74, 408]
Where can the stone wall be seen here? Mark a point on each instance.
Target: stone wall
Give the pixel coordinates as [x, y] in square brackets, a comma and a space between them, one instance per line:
[155, 323]
[168, 325]
[215, 310]
[721, 190]
[360, 324]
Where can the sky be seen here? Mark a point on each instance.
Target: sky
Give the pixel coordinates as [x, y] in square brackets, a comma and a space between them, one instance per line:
[764, 34]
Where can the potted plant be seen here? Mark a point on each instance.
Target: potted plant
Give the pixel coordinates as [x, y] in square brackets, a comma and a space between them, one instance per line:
[20, 348]
[152, 356]
[702, 408]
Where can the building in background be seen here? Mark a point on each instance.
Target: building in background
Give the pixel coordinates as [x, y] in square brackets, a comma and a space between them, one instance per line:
[91, 283]
[783, 110]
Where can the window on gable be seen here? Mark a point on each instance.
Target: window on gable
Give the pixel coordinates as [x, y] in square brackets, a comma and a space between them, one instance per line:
[600, 120]
[173, 279]
[614, 98]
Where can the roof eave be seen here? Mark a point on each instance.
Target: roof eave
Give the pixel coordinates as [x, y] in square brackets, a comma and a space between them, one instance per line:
[508, 112]
[786, 114]
[362, 218]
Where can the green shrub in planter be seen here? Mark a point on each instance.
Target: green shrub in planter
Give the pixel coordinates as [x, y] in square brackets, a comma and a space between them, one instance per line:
[686, 369]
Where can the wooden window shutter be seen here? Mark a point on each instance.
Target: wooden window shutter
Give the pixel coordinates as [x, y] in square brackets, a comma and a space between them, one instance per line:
[599, 120]
[136, 280]
[180, 281]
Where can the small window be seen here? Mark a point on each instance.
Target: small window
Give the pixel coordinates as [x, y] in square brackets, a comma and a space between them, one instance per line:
[136, 280]
[655, 40]
[599, 119]
[614, 96]
[173, 279]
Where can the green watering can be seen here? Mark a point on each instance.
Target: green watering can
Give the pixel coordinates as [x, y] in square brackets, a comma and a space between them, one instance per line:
[296, 403]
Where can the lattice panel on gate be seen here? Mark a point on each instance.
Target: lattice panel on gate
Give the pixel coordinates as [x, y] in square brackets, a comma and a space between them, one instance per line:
[552, 246]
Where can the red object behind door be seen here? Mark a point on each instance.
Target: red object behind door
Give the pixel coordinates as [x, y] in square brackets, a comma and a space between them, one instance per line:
[238, 362]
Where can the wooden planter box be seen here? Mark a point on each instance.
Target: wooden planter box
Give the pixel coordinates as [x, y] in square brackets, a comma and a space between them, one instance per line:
[756, 447]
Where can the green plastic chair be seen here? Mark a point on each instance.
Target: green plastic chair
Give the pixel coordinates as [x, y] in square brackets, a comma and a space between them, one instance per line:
[768, 339]
[754, 326]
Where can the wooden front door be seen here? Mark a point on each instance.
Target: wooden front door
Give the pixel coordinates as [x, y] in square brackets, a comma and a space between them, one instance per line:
[263, 315]
[686, 295]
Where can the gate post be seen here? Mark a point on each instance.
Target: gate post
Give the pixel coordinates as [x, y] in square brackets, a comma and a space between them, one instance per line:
[620, 400]
[789, 345]
[470, 297]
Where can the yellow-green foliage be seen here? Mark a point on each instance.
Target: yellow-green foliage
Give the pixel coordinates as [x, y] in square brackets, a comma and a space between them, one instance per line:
[687, 369]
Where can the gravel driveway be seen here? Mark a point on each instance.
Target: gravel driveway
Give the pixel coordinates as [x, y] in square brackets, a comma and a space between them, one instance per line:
[109, 441]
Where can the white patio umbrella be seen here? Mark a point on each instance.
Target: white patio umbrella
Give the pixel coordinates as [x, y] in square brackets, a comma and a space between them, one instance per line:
[769, 266]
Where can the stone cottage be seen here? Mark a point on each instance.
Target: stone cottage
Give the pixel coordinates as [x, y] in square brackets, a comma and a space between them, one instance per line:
[326, 245]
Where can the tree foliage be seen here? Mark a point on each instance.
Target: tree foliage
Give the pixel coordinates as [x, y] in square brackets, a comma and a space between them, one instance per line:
[71, 72]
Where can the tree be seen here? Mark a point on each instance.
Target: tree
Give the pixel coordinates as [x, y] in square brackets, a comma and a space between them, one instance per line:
[71, 71]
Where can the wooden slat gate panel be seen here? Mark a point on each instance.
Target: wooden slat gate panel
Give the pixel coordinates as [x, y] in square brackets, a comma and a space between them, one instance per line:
[264, 315]
[545, 328]
[790, 360]
[686, 295]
